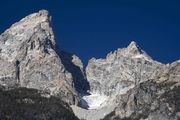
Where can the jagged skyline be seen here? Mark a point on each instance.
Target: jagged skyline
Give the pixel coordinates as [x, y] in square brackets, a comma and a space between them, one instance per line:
[93, 29]
[127, 84]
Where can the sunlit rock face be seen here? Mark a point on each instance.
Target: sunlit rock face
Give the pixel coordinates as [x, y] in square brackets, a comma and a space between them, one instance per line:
[121, 70]
[28, 58]
[136, 86]
[129, 85]
[155, 99]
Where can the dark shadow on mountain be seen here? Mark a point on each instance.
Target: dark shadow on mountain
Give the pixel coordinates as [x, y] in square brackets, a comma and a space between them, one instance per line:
[83, 104]
[79, 78]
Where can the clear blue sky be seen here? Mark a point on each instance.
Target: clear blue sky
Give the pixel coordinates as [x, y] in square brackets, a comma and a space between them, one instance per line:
[92, 28]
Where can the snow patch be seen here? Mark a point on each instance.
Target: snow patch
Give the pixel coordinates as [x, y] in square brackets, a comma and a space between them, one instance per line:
[141, 56]
[94, 101]
[138, 56]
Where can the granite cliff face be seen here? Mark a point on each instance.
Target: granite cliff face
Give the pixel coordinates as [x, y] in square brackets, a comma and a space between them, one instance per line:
[126, 85]
[28, 58]
[129, 85]
[121, 70]
[155, 99]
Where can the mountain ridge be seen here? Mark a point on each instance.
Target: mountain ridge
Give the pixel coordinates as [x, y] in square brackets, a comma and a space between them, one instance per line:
[123, 85]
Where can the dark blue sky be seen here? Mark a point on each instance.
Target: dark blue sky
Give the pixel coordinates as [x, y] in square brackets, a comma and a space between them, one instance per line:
[92, 28]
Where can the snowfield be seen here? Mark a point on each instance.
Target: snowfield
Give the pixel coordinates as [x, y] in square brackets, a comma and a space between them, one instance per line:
[94, 101]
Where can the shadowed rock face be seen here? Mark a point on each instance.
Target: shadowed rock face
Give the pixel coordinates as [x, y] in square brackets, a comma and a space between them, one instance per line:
[74, 65]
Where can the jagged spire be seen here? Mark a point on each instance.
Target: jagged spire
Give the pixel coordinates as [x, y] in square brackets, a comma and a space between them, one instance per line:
[29, 58]
[132, 44]
[133, 48]
[35, 30]
[34, 19]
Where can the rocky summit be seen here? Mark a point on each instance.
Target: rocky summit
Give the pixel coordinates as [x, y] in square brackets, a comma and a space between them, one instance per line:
[29, 58]
[40, 81]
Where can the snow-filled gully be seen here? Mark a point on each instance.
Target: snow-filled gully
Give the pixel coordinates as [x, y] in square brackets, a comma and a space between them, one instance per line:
[93, 101]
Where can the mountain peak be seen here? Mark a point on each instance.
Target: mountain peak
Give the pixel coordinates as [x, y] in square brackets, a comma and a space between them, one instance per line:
[133, 48]
[35, 30]
[34, 19]
[29, 58]
[131, 51]
[44, 12]
[133, 44]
